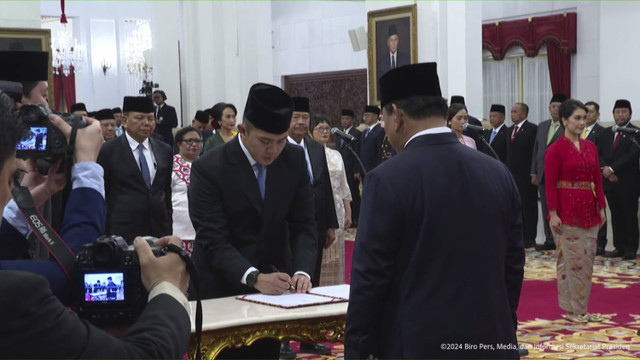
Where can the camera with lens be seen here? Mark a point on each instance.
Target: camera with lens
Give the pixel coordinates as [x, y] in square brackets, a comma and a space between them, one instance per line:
[41, 139]
[110, 289]
[147, 87]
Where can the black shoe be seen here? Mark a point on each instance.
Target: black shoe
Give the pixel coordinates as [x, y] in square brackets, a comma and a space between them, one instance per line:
[286, 352]
[600, 252]
[546, 247]
[317, 349]
[629, 256]
[614, 254]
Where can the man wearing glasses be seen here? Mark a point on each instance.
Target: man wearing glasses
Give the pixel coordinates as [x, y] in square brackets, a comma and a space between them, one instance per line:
[137, 176]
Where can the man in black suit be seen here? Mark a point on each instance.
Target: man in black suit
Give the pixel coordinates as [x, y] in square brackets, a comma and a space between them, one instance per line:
[350, 162]
[251, 203]
[165, 116]
[592, 133]
[412, 260]
[137, 176]
[393, 58]
[200, 122]
[325, 209]
[36, 325]
[370, 142]
[548, 132]
[618, 157]
[519, 143]
[497, 138]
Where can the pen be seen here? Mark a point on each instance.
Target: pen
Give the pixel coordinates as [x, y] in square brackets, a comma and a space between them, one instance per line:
[291, 287]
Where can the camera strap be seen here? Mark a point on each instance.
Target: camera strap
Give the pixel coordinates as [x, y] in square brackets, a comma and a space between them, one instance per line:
[193, 273]
[44, 232]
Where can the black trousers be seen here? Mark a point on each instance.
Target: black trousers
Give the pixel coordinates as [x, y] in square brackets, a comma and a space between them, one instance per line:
[548, 235]
[529, 200]
[624, 219]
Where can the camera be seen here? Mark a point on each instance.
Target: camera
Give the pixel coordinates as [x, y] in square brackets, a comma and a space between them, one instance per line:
[109, 286]
[147, 88]
[41, 139]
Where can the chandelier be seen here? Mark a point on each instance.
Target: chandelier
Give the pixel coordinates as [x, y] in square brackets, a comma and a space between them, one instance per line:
[68, 54]
[138, 50]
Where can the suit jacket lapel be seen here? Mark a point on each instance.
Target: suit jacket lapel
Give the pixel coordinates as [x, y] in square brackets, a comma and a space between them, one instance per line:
[130, 160]
[157, 154]
[241, 170]
[315, 157]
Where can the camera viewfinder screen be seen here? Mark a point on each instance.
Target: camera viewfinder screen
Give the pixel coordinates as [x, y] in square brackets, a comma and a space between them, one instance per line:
[104, 287]
[35, 139]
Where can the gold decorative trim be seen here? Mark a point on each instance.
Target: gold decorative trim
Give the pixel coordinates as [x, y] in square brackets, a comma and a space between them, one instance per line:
[314, 330]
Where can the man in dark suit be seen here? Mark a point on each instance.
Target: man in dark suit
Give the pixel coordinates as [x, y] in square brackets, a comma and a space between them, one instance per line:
[165, 116]
[137, 176]
[393, 58]
[592, 133]
[31, 314]
[325, 209]
[350, 162]
[370, 143]
[497, 138]
[520, 143]
[200, 122]
[117, 114]
[548, 132]
[618, 157]
[411, 263]
[251, 203]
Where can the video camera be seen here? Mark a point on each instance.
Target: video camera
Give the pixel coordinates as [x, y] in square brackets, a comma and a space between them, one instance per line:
[147, 88]
[109, 285]
[41, 139]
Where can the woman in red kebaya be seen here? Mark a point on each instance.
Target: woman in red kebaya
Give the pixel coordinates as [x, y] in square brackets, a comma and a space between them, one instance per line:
[576, 210]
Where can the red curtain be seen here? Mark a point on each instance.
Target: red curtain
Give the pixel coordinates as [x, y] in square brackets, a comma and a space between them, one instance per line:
[64, 85]
[559, 69]
[558, 32]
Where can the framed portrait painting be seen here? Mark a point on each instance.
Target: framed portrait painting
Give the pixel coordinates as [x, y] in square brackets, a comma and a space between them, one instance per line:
[29, 40]
[393, 42]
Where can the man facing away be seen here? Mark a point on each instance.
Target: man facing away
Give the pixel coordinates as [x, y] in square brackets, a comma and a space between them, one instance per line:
[412, 263]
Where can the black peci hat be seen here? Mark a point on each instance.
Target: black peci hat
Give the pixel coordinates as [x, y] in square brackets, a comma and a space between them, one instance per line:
[104, 114]
[498, 108]
[393, 30]
[372, 109]
[622, 103]
[202, 117]
[116, 110]
[410, 80]
[22, 66]
[78, 107]
[141, 104]
[558, 98]
[269, 108]
[300, 104]
[457, 99]
[347, 112]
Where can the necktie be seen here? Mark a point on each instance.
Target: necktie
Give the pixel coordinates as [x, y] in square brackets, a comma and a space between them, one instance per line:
[552, 131]
[393, 62]
[366, 132]
[584, 133]
[144, 168]
[493, 136]
[615, 141]
[515, 131]
[306, 158]
[261, 179]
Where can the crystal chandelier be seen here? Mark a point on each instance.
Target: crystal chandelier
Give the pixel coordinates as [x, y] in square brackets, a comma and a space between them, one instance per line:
[137, 45]
[68, 54]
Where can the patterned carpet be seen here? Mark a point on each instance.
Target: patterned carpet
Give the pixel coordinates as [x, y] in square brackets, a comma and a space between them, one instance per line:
[615, 294]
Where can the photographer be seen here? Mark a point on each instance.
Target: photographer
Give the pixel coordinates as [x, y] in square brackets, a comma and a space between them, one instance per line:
[37, 325]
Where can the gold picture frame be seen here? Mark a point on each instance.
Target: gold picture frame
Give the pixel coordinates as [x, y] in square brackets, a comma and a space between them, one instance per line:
[29, 40]
[402, 21]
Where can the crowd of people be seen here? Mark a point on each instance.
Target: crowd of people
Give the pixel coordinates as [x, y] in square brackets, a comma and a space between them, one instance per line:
[265, 209]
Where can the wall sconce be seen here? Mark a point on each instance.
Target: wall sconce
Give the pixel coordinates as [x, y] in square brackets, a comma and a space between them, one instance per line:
[104, 65]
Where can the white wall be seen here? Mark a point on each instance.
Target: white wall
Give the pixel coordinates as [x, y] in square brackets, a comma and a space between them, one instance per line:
[312, 36]
[20, 14]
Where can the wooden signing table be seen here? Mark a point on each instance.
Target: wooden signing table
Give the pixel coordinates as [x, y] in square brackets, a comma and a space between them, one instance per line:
[232, 323]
